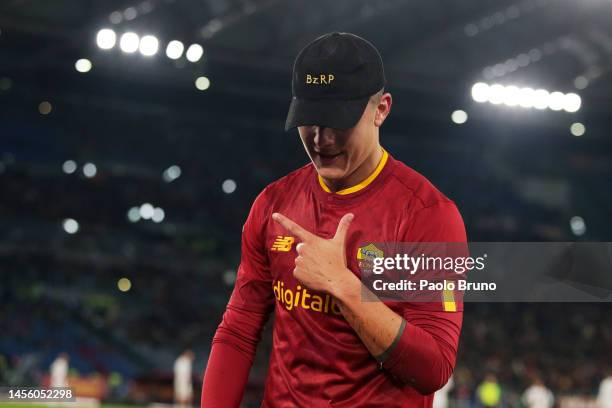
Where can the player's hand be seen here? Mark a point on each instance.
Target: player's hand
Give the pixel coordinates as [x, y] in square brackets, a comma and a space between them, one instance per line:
[321, 263]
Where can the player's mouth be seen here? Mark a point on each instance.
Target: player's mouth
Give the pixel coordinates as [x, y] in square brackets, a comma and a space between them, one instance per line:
[327, 159]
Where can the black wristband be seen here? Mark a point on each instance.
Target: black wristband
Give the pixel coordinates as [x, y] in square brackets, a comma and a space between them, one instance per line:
[381, 358]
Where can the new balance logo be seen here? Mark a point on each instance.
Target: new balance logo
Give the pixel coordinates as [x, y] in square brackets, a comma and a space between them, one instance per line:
[282, 244]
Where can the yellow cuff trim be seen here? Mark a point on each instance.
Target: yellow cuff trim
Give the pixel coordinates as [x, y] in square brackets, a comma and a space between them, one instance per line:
[449, 300]
[364, 183]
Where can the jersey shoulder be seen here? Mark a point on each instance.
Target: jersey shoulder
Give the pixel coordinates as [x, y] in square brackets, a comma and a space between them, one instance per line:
[296, 180]
[419, 191]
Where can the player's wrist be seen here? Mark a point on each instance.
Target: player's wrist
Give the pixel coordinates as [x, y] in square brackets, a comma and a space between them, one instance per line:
[346, 289]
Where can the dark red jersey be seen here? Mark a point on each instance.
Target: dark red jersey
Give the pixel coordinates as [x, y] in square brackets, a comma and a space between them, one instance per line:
[317, 359]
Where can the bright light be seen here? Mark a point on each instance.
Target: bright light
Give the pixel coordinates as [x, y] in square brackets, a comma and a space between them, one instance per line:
[581, 82]
[71, 226]
[130, 13]
[577, 129]
[480, 92]
[83, 65]
[171, 173]
[146, 211]
[572, 102]
[45, 108]
[90, 170]
[115, 17]
[578, 225]
[229, 186]
[459, 117]
[496, 94]
[129, 42]
[175, 49]
[134, 214]
[526, 98]
[124, 284]
[556, 101]
[511, 96]
[69, 166]
[106, 38]
[540, 99]
[202, 83]
[158, 215]
[149, 45]
[535, 55]
[523, 60]
[194, 52]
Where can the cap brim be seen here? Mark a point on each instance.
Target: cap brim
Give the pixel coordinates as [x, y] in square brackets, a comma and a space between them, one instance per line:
[328, 113]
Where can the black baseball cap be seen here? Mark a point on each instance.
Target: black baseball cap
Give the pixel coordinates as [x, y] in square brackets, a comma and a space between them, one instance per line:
[333, 79]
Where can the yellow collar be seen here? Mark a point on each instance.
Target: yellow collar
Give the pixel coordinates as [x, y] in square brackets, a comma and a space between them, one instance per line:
[364, 183]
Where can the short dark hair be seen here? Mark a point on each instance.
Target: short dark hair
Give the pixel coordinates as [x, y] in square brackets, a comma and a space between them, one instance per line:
[375, 99]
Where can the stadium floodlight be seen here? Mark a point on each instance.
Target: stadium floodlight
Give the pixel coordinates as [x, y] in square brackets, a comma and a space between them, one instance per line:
[146, 211]
[459, 117]
[45, 108]
[577, 129]
[572, 102]
[71, 226]
[171, 173]
[526, 97]
[175, 49]
[83, 65]
[149, 45]
[69, 166]
[115, 17]
[229, 186]
[581, 82]
[194, 52]
[124, 284]
[556, 101]
[202, 83]
[512, 95]
[480, 92]
[130, 13]
[106, 38]
[158, 215]
[578, 225]
[133, 214]
[129, 42]
[90, 170]
[497, 94]
[540, 99]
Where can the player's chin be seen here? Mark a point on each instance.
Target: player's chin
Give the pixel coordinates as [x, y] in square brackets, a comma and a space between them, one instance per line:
[331, 172]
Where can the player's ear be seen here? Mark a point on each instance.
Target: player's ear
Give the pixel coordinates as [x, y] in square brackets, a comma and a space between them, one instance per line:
[383, 108]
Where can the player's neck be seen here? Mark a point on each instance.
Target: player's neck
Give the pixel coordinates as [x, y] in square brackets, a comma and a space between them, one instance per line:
[361, 173]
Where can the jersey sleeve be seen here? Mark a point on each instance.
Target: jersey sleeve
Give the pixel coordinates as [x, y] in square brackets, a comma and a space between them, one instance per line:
[424, 356]
[251, 302]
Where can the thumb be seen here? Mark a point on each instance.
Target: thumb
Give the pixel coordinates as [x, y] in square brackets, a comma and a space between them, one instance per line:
[343, 227]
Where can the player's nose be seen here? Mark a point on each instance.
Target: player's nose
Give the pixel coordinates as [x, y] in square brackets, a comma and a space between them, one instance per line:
[324, 137]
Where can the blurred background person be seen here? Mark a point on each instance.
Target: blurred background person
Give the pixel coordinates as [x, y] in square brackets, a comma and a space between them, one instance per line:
[537, 395]
[489, 392]
[604, 395]
[59, 371]
[441, 396]
[183, 379]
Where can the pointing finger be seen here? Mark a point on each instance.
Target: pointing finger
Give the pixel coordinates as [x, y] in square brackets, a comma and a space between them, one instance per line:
[292, 227]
